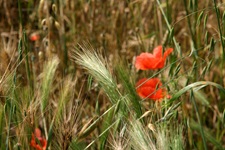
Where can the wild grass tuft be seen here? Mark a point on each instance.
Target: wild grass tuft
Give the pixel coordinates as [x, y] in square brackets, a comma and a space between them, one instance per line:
[139, 137]
[89, 59]
[48, 78]
[94, 63]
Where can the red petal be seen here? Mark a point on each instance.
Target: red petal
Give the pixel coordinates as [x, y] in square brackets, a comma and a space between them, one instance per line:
[143, 60]
[152, 61]
[34, 37]
[37, 132]
[145, 92]
[150, 88]
[149, 82]
[44, 143]
[167, 52]
[146, 61]
[32, 142]
[159, 64]
[157, 52]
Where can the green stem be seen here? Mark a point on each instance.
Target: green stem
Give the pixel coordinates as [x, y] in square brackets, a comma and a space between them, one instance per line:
[190, 28]
[199, 120]
[20, 13]
[27, 65]
[218, 22]
[169, 28]
[8, 130]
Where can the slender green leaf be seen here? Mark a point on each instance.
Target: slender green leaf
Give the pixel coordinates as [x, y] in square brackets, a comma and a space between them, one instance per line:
[193, 85]
[209, 137]
[199, 18]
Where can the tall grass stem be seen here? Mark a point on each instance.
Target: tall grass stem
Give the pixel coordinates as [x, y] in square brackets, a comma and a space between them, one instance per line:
[220, 30]
[169, 28]
[199, 120]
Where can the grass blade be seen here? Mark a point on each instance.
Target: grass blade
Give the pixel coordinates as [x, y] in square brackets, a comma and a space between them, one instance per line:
[195, 126]
[199, 120]
[196, 84]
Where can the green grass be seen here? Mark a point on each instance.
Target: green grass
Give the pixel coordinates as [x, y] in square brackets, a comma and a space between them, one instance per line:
[77, 81]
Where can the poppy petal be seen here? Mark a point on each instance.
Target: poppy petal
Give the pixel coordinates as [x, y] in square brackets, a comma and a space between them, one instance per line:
[34, 37]
[32, 142]
[44, 143]
[145, 92]
[159, 63]
[150, 88]
[146, 61]
[37, 136]
[143, 60]
[157, 52]
[149, 82]
[37, 132]
[167, 52]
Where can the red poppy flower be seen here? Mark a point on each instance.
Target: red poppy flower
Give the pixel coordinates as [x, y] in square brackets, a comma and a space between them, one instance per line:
[152, 61]
[42, 141]
[150, 88]
[34, 37]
